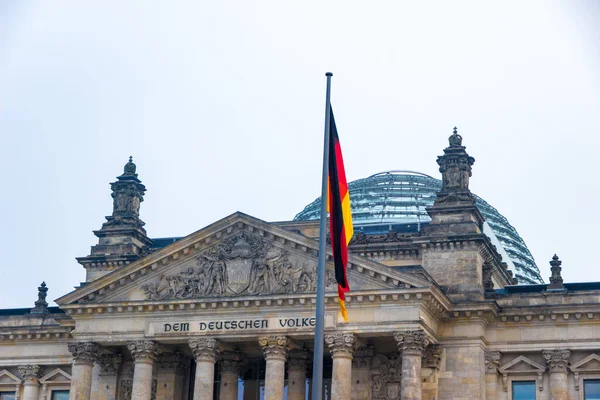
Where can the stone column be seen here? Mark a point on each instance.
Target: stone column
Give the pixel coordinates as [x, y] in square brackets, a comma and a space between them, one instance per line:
[430, 363]
[231, 365]
[108, 374]
[411, 344]
[275, 349]
[558, 361]
[206, 353]
[361, 373]
[170, 376]
[342, 347]
[84, 355]
[144, 353]
[492, 362]
[31, 383]
[297, 361]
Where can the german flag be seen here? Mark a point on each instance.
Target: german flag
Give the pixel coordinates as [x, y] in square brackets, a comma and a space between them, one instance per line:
[340, 217]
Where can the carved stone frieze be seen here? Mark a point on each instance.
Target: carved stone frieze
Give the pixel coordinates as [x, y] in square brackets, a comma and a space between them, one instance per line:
[386, 375]
[144, 350]
[341, 344]
[412, 342]
[274, 347]
[31, 372]
[492, 361]
[232, 361]
[298, 359]
[205, 349]
[84, 352]
[557, 360]
[432, 356]
[363, 357]
[243, 264]
[109, 364]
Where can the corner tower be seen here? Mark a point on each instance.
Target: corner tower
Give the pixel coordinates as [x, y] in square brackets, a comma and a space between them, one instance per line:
[122, 238]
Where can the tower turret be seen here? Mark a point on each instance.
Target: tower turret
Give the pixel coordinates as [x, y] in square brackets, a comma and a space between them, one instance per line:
[122, 238]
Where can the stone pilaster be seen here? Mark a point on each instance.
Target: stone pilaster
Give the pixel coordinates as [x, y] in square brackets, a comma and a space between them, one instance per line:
[31, 383]
[430, 362]
[361, 373]
[297, 362]
[558, 361]
[231, 364]
[275, 349]
[108, 375]
[206, 353]
[342, 347]
[144, 353]
[170, 376]
[84, 355]
[412, 345]
[492, 362]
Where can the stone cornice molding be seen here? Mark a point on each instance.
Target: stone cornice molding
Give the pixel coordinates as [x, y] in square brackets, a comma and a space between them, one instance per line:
[492, 361]
[207, 237]
[274, 347]
[557, 360]
[31, 373]
[205, 349]
[432, 356]
[411, 342]
[363, 357]
[110, 364]
[298, 360]
[341, 344]
[84, 352]
[232, 362]
[144, 351]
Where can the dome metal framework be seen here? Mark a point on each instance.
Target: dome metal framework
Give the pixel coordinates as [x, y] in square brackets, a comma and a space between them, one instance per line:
[396, 198]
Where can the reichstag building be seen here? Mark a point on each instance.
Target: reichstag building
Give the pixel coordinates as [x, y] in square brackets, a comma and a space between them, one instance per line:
[447, 303]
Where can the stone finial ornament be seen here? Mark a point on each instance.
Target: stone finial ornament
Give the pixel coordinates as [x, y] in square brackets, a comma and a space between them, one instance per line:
[455, 139]
[556, 280]
[41, 305]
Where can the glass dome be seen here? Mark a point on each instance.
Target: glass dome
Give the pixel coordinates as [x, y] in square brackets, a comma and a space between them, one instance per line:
[393, 199]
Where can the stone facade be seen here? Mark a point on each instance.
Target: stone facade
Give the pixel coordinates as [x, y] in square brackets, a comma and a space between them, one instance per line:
[228, 312]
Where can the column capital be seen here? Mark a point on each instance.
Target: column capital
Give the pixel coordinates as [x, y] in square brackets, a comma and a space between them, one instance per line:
[31, 373]
[341, 344]
[411, 342]
[110, 364]
[84, 352]
[274, 347]
[432, 356]
[298, 360]
[205, 349]
[492, 361]
[232, 361]
[144, 350]
[363, 357]
[557, 360]
[173, 362]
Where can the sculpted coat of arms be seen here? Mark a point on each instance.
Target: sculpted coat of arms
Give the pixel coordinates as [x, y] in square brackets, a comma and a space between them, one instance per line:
[243, 264]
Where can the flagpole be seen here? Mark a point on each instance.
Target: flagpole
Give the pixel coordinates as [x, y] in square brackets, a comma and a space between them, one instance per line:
[317, 379]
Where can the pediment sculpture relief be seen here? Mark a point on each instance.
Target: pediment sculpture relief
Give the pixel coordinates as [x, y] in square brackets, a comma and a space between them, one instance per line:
[242, 265]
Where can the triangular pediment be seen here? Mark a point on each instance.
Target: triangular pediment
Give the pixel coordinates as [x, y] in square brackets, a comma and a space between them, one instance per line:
[56, 376]
[521, 365]
[234, 257]
[590, 363]
[7, 378]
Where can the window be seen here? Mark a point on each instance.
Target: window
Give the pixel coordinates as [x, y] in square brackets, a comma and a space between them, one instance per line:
[7, 395]
[523, 390]
[591, 389]
[60, 395]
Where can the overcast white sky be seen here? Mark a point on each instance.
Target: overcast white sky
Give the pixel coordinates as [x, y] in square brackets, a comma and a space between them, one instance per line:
[221, 103]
